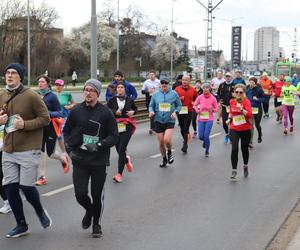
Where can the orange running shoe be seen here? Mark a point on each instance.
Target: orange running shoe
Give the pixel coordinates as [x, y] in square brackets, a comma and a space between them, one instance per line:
[129, 165]
[65, 164]
[118, 178]
[41, 181]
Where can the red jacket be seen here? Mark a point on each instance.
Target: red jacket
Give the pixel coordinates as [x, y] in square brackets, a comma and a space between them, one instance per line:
[239, 121]
[277, 86]
[187, 96]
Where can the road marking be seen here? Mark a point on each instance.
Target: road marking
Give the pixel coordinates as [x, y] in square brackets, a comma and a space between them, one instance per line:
[59, 190]
[158, 155]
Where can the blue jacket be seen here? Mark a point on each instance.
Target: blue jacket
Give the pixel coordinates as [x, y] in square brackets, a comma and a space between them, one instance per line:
[238, 80]
[169, 97]
[259, 93]
[295, 81]
[129, 88]
[53, 105]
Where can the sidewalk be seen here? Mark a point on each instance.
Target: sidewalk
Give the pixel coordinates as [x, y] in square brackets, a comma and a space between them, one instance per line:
[295, 242]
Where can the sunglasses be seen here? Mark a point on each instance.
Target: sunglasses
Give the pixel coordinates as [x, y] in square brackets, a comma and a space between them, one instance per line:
[164, 82]
[239, 92]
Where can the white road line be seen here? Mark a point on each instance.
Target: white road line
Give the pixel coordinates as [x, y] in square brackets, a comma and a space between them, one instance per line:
[59, 190]
[158, 155]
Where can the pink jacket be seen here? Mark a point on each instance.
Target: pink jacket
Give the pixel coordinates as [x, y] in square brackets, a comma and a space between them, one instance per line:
[206, 106]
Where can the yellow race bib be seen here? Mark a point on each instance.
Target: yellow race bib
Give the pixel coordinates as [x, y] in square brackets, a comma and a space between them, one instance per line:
[121, 127]
[204, 115]
[254, 110]
[184, 110]
[238, 120]
[164, 107]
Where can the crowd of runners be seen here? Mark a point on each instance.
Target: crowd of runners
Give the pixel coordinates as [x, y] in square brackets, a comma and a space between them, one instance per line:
[37, 124]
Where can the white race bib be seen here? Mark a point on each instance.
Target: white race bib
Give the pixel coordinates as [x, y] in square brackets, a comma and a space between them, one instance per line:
[121, 127]
[164, 107]
[238, 120]
[227, 109]
[204, 115]
[254, 110]
[279, 99]
[184, 110]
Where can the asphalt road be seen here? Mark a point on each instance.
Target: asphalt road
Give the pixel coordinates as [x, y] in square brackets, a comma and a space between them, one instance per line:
[190, 205]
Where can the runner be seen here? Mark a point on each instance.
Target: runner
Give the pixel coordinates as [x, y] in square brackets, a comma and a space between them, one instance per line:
[150, 86]
[205, 105]
[50, 134]
[239, 118]
[288, 104]
[199, 90]
[277, 87]
[187, 95]
[238, 78]
[256, 96]
[267, 87]
[123, 107]
[225, 94]
[164, 104]
[215, 83]
[178, 81]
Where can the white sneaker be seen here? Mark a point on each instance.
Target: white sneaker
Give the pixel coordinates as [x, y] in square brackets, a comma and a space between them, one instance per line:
[6, 208]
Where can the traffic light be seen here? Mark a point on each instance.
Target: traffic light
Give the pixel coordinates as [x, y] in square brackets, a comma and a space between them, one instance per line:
[293, 55]
[269, 54]
[280, 54]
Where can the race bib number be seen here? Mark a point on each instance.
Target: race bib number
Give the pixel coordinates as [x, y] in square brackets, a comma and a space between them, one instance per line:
[121, 127]
[254, 110]
[204, 115]
[184, 110]
[164, 107]
[239, 120]
[88, 139]
[279, 99]
[9, 127]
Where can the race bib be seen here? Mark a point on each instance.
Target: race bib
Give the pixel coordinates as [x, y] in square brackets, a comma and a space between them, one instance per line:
[289, 103]
[9, 127]
[204, 115]
[164, 107]
[239, 120]
[279, 99]
[184, 110]
[121, 127]
[254, 110]
[88, 139]
[227, 109]
[266, 91]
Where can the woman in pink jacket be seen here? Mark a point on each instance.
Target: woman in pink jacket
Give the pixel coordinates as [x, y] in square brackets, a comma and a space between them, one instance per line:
[205, 105]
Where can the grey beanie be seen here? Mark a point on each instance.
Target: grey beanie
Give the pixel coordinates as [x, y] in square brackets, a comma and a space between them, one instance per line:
[206, 86]
[94, 83]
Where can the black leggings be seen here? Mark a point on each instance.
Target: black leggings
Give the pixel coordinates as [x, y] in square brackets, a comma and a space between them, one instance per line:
[194, 120]
[224, 119]
[81, 176]
[256, 119]
[2, 191]
[266, 104]
[184, 123]
[49, 139]
[121, 147]
[245, 137]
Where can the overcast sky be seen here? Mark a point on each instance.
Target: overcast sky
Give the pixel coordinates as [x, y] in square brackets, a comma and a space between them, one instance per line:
[189, 15]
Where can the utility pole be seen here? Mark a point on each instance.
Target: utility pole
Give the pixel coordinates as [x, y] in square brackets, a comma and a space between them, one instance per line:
[28, 45]
[118, 36]
[208, 46]
[93, 41]
[171, 41]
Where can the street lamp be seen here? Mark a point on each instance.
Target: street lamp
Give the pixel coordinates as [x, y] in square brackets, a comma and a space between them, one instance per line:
[28, 45]
[93, 40]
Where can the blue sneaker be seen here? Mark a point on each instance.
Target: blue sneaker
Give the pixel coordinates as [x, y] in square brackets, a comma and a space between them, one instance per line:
[19, 230]
[45, 219]
[226, 139]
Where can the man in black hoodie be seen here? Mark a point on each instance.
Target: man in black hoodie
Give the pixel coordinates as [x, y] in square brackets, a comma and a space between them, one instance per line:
[90, 132]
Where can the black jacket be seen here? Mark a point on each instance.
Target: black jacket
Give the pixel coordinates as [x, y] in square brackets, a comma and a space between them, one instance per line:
[225, 92]
[86, 121]
[129, 105]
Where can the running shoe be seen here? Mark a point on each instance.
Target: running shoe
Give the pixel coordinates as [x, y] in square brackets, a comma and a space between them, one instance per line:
[117, 178]
[6, 208]
[129, 165]
[170, 157]
[246, 172]
[184, 148]
[86, 220]
[97, 231]
[41, 181]
[259, 140]
[203, 144]
[233, 175]
[251, 146]
[291, 129]
[277, 118]
[45, 219]
[65, 164]
[19, 230]
[164, 163]
[206, 154]
[226, 139]
[285, 131]
[194, 135]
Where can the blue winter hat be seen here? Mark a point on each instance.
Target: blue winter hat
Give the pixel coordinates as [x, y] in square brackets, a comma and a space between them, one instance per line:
[20, 68]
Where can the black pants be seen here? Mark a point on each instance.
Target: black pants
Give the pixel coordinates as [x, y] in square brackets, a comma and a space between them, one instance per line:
[256, 119]
[49, 139]
[224, 119]
[121, 147]
[184, 123]
[194, 120]
[2, 192]
[266, 104]
[81, 176]
[245, 137]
